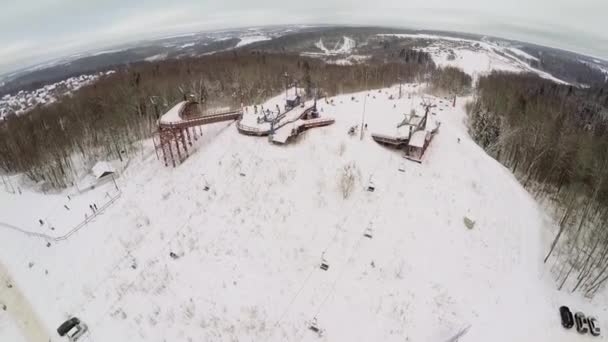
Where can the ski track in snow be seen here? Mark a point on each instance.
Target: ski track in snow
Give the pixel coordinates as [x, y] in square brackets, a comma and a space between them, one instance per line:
[249, 248]
[344, 46]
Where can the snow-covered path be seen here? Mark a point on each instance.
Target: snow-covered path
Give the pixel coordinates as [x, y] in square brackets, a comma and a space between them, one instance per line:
[19, 311]
[248, 250]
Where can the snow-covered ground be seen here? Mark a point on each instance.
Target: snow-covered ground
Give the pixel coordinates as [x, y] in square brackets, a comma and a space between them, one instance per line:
[246, 40]
[344, 46]
[158, 57]
[247, 251]
[8, 329]
[477, 58]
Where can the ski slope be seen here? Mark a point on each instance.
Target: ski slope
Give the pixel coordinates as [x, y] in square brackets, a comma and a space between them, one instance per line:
[248, 249]
[476, 58]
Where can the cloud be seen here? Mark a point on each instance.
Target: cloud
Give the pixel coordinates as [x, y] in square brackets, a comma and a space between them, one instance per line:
[53, 28]
[14, 52]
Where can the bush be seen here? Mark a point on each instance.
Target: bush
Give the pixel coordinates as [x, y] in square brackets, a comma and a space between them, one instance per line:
[348, 178]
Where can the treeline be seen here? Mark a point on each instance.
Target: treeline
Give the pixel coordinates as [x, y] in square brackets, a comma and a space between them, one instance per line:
[104, 120]
[450, 80]
[554, 139]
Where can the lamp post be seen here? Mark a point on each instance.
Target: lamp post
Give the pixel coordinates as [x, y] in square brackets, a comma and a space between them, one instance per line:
[286, 75]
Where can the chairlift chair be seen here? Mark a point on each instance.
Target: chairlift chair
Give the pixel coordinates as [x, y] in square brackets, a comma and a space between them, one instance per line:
[368, 233]
[324, 264]
[314, 327]
[206, 187]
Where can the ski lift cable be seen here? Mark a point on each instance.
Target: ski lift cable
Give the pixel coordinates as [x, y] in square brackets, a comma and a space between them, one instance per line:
[160, 250]
[313, 269]
[334, 284]
[341, 273]
[113, 270]
[345, 266]
[303, 284]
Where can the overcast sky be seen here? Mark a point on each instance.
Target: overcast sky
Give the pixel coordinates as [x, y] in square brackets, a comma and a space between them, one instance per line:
[32, 31]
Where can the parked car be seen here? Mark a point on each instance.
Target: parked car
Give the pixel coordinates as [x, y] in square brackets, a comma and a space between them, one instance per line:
[66, 326]
[567, 319]
[76, 333]
[581, 323]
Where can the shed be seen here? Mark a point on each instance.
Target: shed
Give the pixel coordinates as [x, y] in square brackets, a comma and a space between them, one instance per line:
[102, 169]
[418, 144]
[293, 101]
[418, 139]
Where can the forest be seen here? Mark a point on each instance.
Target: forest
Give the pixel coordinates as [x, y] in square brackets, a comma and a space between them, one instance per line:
[106, 119]
[554, 139]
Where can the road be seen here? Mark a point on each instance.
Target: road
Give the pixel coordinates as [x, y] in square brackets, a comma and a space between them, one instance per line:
[20, 310]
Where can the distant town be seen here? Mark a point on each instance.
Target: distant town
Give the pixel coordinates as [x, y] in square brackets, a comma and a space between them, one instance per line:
[23, 101]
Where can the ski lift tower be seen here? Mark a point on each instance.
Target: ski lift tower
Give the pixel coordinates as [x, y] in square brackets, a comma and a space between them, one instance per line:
[400, 82]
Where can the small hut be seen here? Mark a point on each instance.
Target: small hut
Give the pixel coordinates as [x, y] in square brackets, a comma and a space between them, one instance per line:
[292, 101]
[417, 144]
[102, 170]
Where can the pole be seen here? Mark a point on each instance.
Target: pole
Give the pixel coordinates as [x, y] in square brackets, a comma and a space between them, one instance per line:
[400, 81]
[286, 75]
[114, 180]
[363, 117]
[5, 185]
[9, 183]
[363, 114]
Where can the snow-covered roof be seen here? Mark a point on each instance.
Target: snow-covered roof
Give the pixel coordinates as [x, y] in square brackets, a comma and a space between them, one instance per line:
[173, 115]
[102, 169]
[415, 120]
[417, 139]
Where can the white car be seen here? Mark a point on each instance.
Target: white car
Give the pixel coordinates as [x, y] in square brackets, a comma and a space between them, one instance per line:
[77, 331]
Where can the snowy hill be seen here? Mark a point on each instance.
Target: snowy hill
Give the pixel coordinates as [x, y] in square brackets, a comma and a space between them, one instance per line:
[477, 57]
[170, 261]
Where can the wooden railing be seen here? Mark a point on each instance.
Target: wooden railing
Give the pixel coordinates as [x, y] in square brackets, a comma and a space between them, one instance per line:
[203, 120]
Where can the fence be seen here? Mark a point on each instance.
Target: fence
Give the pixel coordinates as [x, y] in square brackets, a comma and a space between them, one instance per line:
[69, 233]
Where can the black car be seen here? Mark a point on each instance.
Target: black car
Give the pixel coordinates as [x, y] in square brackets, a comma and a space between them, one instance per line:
[567, 319]
[67, 326]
